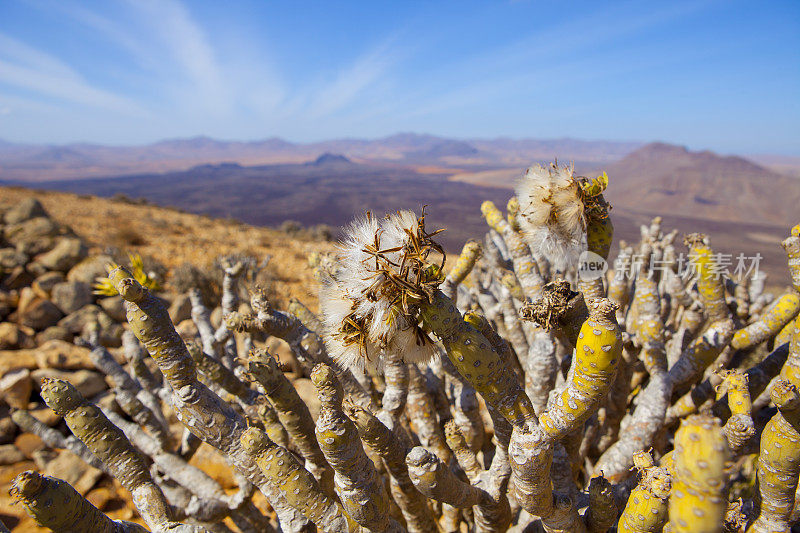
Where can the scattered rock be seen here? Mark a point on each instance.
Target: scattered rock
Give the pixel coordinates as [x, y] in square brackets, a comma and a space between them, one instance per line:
[87, 382]
[10, 258]
[18, 278]
[54, 333]
[43, 457]
[77, 321]
[28, 444]
[100, 496]
[43, 285]
[39, 314]
[308, 392]
[180, 309]
[63, 355]
[46, 416]
[70, 296]
[114, 306]
[216, 317]
[12, 359]
[7, 430]
[35, 247]
[187, 329]
[31, 230]
[74, 471]
[24, 210]
[91, 268]
[16, 387]
[67, 253]
[110, 331]
[14, 336]
[9, 454]
[26, 296]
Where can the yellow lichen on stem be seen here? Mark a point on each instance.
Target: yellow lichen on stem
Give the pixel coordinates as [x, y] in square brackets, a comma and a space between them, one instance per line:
[54, 504]
[360, 489]
[698, 503]
[597, 355]
[413, 505]
[700, 353]
[296, 483]
[779, 462]
[791, 370]
[469, 254]
[710, 283]
[792, 247]
[473, 356]
[647, 508]
[739, 428]
[770, 323]
[525, 266]
[293, 414]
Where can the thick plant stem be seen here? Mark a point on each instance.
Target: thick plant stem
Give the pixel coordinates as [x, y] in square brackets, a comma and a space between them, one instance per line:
[413, 505]
[779, 462]
[597, 355]
[770, 323]
[212, 503]
[739, 428]
[710, 283]
[757, 379]
[792, 247]
[493, 514]
[360, 490]
[204, 413]
[525, 266]
[469, 254]
[435, 480]
[701, 353]
[697, 503]
[791, 371]
[602, 511]
[54, 504]
[307, 346]
[648, 419]
[296, 484]
[306, 315]
[293, 414]
[55, 439]
[476, 360]
[109, 444]
[647, 507]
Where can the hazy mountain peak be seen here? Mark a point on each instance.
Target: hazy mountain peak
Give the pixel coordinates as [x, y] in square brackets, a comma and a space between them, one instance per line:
[330, 159]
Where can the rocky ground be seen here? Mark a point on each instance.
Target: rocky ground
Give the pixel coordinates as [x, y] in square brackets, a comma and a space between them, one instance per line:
[53, 247]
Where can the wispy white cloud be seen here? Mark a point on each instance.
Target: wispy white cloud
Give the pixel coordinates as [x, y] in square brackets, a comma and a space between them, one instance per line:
[190, 48]
[26, 67]
[353, 81]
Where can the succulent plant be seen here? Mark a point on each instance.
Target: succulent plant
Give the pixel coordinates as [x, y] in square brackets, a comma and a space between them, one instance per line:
[507, 393]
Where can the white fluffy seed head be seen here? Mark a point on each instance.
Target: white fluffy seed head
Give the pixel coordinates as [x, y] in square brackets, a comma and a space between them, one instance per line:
[361, 307]
[551, 213]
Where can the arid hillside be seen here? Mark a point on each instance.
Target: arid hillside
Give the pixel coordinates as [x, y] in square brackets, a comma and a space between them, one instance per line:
[173, 238]
[676, 181]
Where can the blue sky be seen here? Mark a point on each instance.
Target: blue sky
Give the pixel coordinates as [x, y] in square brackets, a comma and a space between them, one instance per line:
[721, 75]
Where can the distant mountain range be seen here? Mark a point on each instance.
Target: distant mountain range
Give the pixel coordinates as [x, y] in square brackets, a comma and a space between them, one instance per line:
[745, 206]
[27, 163]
